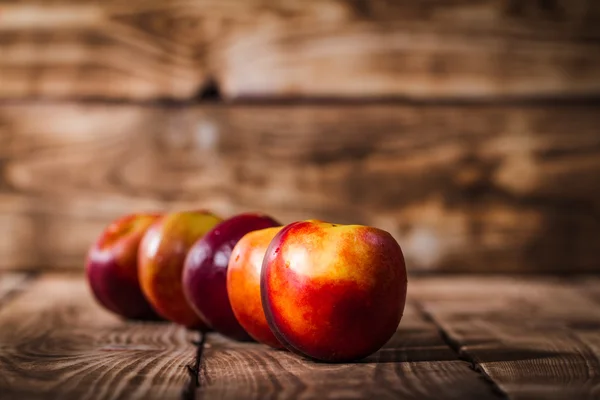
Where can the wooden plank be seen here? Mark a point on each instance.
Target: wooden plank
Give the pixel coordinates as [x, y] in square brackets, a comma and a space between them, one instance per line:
[447, 49]
[136, 50]
[62, 345]
[101, 58]
[377, 48]
[416, 363]
[482, 188]
[535, 338]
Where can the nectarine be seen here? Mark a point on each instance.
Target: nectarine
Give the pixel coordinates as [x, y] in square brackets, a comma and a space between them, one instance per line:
[333, 292]
[243, 284]
[161, 256]
[205, 272]
[111, 267]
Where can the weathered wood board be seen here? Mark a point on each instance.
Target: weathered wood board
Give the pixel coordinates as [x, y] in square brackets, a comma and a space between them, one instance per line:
[58, 344]
[417, 49]
[534, 338]
[462, 337]
[469, 187]
[334, 48]
[414, 364]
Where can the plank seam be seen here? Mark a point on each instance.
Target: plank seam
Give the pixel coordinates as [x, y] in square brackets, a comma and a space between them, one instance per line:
[317, 101]
[189, 393]
[460, 351]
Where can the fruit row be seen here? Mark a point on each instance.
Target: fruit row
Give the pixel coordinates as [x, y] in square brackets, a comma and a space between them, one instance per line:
[325, 291]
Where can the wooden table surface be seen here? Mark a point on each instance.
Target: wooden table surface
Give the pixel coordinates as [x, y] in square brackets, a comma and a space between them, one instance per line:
[461, 337]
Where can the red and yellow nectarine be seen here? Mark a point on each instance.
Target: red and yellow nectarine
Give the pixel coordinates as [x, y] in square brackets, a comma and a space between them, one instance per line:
[161, 257]
[333, 292]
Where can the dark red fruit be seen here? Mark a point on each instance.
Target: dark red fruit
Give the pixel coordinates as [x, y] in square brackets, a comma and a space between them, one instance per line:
[111, 267]
[205, 272]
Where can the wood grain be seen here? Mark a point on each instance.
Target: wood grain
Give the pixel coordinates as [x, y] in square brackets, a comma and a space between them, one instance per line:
[453, 49]
[532, 338]
[340, 48]
[415, 364]
[62, 345]
[463, 188]
[141, 50]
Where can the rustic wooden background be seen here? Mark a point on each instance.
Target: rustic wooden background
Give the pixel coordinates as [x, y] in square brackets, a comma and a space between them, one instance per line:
[469, 129]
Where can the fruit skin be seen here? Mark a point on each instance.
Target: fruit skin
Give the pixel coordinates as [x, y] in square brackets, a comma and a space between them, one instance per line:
[111, 267]
[160, 263]
[333, 293]
[205, 272]
[243, 284]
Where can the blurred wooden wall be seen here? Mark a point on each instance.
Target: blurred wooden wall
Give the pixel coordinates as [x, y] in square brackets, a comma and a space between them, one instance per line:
[470, 129]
